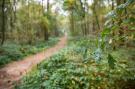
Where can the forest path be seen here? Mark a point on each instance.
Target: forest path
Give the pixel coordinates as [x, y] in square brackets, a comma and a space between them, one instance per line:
[12, 72]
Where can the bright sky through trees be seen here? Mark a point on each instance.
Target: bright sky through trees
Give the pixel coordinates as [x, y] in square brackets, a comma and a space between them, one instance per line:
[58, 6]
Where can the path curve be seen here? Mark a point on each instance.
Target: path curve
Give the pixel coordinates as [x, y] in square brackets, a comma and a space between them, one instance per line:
[12, 72]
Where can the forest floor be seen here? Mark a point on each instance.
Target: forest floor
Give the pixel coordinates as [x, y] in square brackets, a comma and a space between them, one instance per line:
[14, 71]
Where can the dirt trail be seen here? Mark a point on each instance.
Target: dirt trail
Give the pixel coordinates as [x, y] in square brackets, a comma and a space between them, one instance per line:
[12, 72]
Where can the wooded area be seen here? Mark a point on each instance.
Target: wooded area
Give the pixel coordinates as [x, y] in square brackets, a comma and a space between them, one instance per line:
[100, 53]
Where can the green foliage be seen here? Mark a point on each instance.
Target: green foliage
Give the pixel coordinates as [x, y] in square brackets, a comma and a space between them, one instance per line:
[84, 63]
[118, 28]
[68, 70]
[44, 23]
[119, 18]
[13, 52]
[10, 52]
[3, 61]
[111, 61]
[69, 4]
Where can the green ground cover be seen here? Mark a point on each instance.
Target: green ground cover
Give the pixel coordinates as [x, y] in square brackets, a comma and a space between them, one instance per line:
[77, 67]
[13, 51]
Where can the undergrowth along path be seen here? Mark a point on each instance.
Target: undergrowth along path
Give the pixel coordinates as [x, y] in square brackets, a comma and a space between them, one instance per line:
[14, 71]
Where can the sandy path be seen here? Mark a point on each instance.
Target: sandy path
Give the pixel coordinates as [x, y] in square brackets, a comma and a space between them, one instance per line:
[14, 71]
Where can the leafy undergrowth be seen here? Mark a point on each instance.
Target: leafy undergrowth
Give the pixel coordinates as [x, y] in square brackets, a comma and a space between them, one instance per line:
[13, 52]
[76, 67]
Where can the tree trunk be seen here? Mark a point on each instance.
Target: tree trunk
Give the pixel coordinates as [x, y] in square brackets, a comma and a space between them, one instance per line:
[14, 2]
[11, 16]
[96, 17]
[46, 34]
[112, 4]
[72, 23]
[83, 7]
[43, 7]
[3, 22]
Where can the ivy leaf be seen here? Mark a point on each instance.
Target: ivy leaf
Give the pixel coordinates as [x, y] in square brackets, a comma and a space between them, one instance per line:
[111, 61]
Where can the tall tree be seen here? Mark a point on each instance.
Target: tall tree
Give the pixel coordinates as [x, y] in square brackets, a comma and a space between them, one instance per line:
[3, 22]
[70, 6]
[95, 3]
[46, 34]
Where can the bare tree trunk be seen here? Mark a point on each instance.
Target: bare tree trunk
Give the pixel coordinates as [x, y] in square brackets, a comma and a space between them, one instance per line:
[43, 7]
[14, 2]
[11, 15]
[85, 18]
[3, 22]
[29, 24]
[46, 34]
[112, 4]
[83, 6]
[96, 17]
[72, 23]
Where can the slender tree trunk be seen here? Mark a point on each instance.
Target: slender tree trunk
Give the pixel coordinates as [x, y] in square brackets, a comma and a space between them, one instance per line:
[83, 7]
[112, 4]
[29, 24]
[11, 15]
[113, 33]
[93, 26]
[14, 2]
[112, 9]
[3, 22]
[72, 23]
[46, 34]
[43, 7]
[85, 18]
[96, 17]
[82, 27]
[118, 2]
